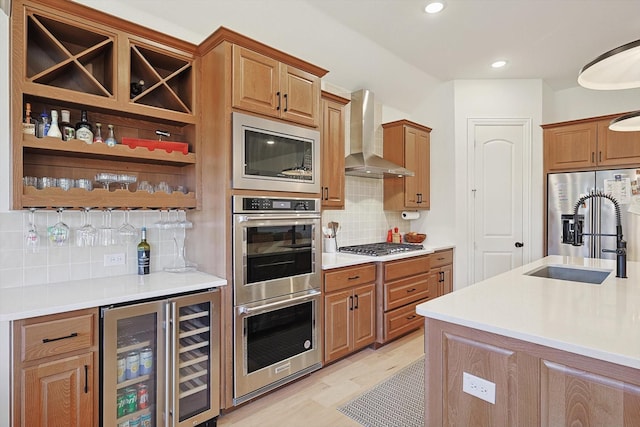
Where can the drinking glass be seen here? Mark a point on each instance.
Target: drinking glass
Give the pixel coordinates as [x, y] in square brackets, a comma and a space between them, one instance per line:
[106, 231]
[127, 233]
[32, 238]
[59, 232]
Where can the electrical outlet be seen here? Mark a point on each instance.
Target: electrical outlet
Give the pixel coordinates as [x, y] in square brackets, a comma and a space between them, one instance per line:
[114, 259]
[479, 387]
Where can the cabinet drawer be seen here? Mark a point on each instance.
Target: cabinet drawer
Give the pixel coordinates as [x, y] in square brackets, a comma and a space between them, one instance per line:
[56, 336]
[406, 267]
[402, 292]
[348, 277]
[439, 259]
[402, 320]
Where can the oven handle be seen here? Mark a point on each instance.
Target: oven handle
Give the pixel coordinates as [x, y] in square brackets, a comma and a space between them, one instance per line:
[247, 218]
[275, 305]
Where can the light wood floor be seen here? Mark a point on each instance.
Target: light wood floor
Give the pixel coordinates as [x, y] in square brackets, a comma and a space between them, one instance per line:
[312, 401]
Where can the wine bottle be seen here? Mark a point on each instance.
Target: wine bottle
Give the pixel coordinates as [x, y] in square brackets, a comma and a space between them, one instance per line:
[68, 131]
[136, 88]
[84, 130]
[144, 253]
[28, 125]
[43, 125]
[54, 130]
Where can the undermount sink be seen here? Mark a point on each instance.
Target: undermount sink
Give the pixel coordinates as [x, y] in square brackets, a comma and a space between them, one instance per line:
[572, 274]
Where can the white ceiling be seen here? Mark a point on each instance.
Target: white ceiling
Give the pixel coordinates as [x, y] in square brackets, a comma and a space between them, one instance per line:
[389, 45]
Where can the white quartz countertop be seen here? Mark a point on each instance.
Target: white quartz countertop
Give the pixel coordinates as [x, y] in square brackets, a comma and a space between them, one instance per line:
[339, 259]
[599, 321]
[38, 300]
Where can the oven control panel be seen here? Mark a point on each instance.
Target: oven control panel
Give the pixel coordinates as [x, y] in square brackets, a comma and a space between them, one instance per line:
[245, 204]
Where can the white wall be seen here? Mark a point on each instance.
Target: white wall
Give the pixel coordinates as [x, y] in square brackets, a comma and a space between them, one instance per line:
[580, 103]
[494, 99]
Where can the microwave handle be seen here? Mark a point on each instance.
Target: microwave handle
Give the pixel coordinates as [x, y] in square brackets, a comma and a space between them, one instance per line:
[247, 218]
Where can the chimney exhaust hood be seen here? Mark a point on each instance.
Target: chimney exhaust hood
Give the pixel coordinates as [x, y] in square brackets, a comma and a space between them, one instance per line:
[362, 161]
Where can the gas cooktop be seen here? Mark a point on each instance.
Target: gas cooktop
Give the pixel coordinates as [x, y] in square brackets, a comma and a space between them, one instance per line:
[380, 249]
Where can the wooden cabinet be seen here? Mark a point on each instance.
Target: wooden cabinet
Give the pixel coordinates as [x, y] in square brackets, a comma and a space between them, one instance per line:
[400, 286]
[332, 159]
[349, 310]
[66, 56]
[534, 385]
[266, 86]
[55, 377]
[589, 144]
[442, 269]
[407, 144]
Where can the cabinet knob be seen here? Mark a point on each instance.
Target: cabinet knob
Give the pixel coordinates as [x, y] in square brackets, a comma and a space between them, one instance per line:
[519, 244]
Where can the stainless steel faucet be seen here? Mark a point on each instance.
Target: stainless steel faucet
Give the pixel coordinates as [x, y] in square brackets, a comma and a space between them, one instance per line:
[574, 236]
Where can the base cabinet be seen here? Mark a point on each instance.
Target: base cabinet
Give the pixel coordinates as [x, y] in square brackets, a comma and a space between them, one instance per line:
[349, 310]
[442, 269]
[55, 382]
[534, 385]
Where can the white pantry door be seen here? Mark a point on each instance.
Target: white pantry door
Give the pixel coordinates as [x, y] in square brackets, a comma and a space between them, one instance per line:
[499, 195]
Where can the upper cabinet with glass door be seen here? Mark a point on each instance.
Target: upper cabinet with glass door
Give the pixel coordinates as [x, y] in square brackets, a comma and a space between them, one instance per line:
[66, 56]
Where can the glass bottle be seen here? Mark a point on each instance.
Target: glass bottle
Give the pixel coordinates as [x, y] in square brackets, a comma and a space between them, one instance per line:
[97, 138]
[54, 130]
[28, 124]
[84, 130]
[68, 131]
[136, 88]
[144, 253]
[111, 139]
[43, 125]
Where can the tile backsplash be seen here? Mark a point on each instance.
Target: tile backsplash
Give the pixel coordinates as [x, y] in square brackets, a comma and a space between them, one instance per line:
[19, 266]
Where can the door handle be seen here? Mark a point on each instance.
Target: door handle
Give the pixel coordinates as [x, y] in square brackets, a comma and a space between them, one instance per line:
[278, 95]
[519, 244]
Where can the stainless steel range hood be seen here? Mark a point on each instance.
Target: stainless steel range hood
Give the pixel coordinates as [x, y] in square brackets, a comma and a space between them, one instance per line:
[362, 161]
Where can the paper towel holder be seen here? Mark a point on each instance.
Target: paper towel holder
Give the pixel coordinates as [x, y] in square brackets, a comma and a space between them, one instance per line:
[409, 215]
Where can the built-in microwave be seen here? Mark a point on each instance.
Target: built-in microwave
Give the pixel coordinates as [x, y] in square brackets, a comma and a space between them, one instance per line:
[274, 156]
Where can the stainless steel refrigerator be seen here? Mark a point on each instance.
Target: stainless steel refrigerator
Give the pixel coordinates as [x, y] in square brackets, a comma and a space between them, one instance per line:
[564, 190]
[160, 362]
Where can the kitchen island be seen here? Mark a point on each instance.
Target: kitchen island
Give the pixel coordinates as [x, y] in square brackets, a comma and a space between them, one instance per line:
[557, 352]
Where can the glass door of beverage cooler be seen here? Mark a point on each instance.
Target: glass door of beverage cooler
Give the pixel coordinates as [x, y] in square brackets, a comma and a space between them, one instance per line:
[195, 362]
[133, 365]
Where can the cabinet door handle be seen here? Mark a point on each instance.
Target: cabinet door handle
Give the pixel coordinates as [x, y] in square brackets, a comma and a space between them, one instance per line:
[86, 379]
[278, 95]
[419, 197]
[326, 193]
[413, 316]
[286, 102]
[593, 156]
[72, 335]
[411, 290]
[350, 303]
[356, 307]
[599, 156]
[356, 277]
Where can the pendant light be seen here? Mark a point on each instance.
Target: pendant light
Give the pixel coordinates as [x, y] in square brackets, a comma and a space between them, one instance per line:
[616, 69]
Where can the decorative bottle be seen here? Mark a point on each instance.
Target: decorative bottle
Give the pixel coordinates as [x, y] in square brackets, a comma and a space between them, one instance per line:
[54, 130]
[144, 253]
[43, 125]
[68, 131]
[111, 139]
[97, 138]
[136, 88]
[28, 125]
[84, 130]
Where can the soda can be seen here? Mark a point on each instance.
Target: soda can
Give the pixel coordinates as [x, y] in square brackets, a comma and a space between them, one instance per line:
[124, 424]
[121, 369]
[121, 405]
[146, 361]
[131, 400]
[143, 396]
[132, 367]
[134, 422]
[145, 419]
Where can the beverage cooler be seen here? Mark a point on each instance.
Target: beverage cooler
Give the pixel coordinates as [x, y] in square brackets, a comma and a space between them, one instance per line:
[160, 362]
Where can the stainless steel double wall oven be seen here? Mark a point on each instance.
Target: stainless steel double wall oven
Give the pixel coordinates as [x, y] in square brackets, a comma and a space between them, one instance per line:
[277, 257]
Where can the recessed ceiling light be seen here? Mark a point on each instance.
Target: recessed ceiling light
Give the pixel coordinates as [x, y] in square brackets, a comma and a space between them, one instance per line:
[434, 7]
[499, 64]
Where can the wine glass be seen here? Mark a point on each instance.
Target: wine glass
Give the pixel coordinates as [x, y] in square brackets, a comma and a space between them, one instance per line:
[106, 231]
[59, 232]
[32, 238]
[127, 232]
[87, 234]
